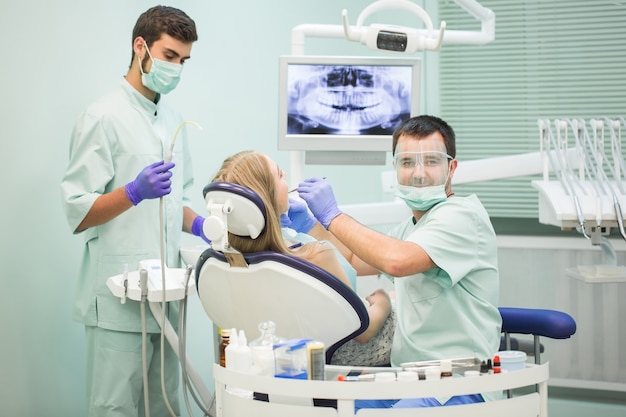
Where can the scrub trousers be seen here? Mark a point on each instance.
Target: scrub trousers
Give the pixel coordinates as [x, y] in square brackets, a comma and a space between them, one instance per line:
[417, 402]
[115, 374]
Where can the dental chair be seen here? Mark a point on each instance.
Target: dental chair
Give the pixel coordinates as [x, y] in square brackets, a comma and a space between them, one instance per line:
[242, 290]
[302, 299]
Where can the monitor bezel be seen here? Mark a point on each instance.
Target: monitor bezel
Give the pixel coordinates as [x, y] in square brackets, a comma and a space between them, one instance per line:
[335, 142]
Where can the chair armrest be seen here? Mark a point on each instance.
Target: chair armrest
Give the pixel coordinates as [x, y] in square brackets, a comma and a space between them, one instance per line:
[549, 323]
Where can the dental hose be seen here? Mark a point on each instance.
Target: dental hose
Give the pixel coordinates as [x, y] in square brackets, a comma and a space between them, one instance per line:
[143, 284]
[168, 158]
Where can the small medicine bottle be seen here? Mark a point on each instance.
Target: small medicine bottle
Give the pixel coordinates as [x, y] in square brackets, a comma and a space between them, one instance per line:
[224, 340]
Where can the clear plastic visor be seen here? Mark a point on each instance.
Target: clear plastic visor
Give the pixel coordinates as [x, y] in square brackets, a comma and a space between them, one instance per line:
[422, 169]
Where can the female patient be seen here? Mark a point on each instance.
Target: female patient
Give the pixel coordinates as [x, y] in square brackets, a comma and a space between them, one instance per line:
[262, 175]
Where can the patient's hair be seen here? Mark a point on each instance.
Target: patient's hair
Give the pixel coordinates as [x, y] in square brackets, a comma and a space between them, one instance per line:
[252, 170]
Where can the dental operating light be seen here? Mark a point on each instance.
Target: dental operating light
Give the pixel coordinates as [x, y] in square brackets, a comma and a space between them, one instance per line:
[407, 40]
[391, 37]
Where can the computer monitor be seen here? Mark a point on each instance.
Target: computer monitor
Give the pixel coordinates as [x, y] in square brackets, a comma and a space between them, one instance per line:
[343, 110]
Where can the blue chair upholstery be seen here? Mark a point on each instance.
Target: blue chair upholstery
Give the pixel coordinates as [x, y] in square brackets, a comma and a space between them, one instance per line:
[537, 322]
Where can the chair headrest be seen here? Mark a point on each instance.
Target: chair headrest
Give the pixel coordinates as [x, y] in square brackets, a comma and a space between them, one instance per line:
[235, 207]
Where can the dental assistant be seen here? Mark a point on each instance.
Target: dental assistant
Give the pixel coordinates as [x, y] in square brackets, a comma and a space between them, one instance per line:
[110, 191]
[442, 259]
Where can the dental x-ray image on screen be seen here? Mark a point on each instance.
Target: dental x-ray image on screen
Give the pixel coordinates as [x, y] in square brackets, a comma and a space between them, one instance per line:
[347, 99]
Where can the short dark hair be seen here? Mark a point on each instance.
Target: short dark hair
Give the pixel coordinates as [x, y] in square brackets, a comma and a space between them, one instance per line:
[164, 19]
[425, 125]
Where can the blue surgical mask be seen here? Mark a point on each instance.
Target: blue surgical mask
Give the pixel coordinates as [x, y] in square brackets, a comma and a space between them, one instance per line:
[163, 76]
[421, 198]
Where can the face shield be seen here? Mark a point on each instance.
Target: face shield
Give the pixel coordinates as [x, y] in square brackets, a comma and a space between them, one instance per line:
[421, 163]
[422, 171]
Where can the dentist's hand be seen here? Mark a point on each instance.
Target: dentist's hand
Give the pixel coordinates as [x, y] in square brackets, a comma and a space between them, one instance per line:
[320, 198]
[152, 182]
[299, 218]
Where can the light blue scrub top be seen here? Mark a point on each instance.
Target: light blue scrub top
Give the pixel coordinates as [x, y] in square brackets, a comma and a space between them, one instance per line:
[451, 310]
[114, 139]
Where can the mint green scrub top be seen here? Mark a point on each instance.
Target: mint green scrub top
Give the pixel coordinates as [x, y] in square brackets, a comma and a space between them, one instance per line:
[450, 311]
[114, 139]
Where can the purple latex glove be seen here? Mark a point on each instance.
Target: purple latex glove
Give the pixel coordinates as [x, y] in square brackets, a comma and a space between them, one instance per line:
[197, 228]
[320, 198]
[152, 182]
[299, 218]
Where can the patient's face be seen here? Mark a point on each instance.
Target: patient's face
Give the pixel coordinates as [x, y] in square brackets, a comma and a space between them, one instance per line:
[281, 185]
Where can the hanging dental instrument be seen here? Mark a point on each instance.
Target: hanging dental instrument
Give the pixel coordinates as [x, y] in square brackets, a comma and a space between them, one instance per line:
[585, 170]
[598, 158]
[560, 168]
[616, 148]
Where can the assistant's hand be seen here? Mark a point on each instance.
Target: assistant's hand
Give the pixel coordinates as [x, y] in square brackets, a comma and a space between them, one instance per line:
[152, 182]
[197, 229]
[299, 218]
[320, 198]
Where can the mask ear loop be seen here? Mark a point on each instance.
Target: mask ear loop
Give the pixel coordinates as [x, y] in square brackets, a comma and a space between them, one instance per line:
[139, 60]
[148, 50]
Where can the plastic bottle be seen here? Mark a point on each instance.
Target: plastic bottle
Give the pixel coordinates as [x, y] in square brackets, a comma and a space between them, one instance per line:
[244, 354]
[262, 348]
[224, 340]
[236, 360]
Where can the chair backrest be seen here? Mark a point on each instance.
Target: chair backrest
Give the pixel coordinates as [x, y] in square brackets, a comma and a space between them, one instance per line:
[303, 300]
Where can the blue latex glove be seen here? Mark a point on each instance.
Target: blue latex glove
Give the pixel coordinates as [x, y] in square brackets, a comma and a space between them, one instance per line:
[285, 221]
[320, 198]
[197, 228]
[299, 217]
[152, 182]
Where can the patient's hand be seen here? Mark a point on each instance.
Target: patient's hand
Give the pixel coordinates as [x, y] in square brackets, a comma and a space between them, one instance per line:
[300, 218]
[378, 310]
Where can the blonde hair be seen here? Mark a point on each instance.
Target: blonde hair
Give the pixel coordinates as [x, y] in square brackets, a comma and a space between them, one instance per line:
[251, 169]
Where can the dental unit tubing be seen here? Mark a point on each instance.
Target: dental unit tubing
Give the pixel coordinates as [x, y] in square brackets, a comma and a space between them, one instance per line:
[172, 337]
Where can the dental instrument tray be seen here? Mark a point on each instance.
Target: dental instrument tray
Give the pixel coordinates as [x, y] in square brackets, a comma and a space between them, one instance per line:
[459, 365]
